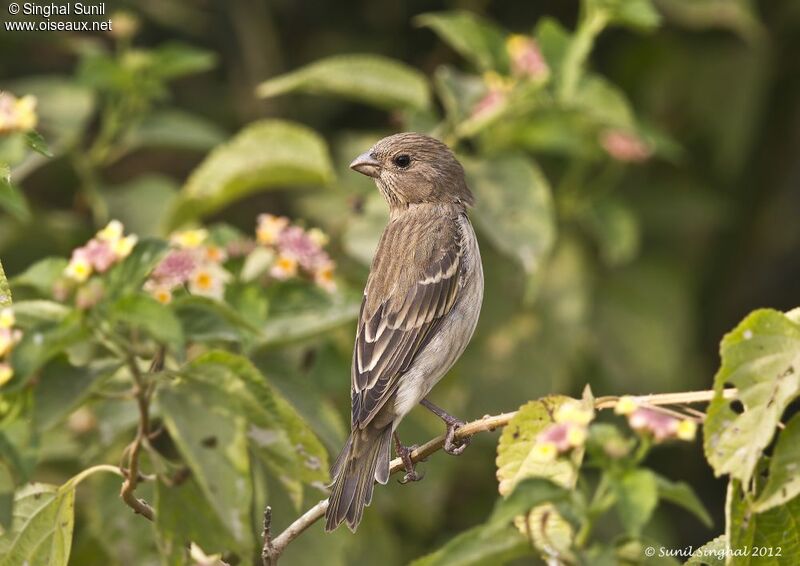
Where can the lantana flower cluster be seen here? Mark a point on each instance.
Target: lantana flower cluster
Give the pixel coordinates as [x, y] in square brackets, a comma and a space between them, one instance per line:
[569, 430]
[661, 426]
[296, 251]
[17, 114]
[527, 63]
[193, 262]
[9, 337]
[108, 247]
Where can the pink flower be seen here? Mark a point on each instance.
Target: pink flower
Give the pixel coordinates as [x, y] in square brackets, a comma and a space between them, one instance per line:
[175, 269]
[295, 242]
[526, 57]
[563, 436]
[625, 146]
[99, 253]
[660, 425]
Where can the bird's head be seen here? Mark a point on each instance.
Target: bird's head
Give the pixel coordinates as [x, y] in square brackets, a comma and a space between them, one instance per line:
[411, 168]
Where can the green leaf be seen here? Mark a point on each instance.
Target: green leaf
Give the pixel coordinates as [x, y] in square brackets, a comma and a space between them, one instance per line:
[6, 496]
[493, 542]
[41, 533]
[275, 430]
[615, 228]
[11, 198]
[516, 458]
[740, 16]
[5, 290]
[142, 204]
[31, 313]
[174, 59]
[783, 481]
[637, 14]
[514, 208]
[129, 276]
[176, 528]
[174, 129]
[143, 312]
[761, 358]
[36, 142]
[637, 496]
[63, 387]
[42, 275]
[474, 547]
[205, 320]
[313, 318]
[371, 79]
[211, 436]
[528, 494]
[776, 530]
[476, 39]
[682, 494]
[711, 553]
[41, 343]
[265, 155]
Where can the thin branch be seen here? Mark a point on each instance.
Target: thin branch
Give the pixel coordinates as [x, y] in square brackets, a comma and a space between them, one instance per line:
[142, 391]
[274, 547]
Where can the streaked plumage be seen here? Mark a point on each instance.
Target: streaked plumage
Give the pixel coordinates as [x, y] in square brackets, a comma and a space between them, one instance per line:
[420, 307]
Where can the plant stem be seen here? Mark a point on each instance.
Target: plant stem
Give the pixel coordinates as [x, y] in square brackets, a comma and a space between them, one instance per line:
[274, 547]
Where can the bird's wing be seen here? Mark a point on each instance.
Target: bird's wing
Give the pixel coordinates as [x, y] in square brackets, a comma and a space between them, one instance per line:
[409, 291]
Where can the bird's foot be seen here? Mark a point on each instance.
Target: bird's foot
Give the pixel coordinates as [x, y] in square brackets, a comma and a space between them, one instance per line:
[452, 445]
[404, 452]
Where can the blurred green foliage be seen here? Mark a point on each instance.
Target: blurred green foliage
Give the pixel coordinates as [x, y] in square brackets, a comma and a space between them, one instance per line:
[635, 167]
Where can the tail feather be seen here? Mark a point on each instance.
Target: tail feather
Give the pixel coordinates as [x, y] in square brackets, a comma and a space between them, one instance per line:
[364, 458]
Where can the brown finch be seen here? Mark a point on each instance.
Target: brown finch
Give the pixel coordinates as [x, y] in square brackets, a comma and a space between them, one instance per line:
[420, 308]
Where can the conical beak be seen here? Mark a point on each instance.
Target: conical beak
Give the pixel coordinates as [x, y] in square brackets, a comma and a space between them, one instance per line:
[366, 165]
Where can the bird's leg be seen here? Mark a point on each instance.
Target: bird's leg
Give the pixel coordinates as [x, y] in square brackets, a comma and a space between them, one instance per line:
[451, 445]
[405, 455]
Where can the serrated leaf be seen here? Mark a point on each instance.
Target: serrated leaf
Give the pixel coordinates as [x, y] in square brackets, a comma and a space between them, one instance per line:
[493, 542]
[41, 343]
[37, 143]
[372, 79]
[474, 547]
[129, 275]
[12, 200]
[682, 494]
[5, 290]
[636, 494]
[143, 312]
[514, 208]
[176, 528]
[476, 39]
[516, 459]
[211, 436]
[638, 14]
[62, 387]
[265, 155]
[711, 553]
[176, 129]
[205, 320]
[41, 533]
[275, 430]
[42, 275]
[783, 480]
[761, 358]
[175, 59]
[776, 530]
[313, 318]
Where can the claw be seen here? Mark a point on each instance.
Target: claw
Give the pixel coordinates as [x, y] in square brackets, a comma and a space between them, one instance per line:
[451, 445]
[413, 475]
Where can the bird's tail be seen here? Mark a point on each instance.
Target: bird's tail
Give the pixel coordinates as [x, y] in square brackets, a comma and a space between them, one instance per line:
[364, 459]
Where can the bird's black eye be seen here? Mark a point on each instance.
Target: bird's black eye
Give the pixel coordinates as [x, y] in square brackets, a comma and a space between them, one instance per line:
[402, 160]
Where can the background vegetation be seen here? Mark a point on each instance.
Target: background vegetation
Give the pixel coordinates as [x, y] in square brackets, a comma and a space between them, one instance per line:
[636, 170]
